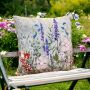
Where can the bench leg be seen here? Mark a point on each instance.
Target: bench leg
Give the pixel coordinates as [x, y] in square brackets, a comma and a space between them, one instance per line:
[89, 80]
[27, 88]
[82, 66]
[73, 85]
[2, 83]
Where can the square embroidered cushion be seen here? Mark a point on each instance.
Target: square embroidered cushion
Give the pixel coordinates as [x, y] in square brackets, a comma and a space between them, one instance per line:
[44, 44]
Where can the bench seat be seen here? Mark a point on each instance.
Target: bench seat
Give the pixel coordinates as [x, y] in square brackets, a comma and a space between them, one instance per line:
[48, 77]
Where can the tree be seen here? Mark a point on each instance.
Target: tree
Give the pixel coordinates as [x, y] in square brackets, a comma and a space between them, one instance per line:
[11, 7]
[86, 10]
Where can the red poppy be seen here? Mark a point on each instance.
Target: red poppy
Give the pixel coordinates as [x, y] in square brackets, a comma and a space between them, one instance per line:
[26, 55]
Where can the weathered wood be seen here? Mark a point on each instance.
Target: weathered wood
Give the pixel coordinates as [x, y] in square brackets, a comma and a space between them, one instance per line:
[15, 53]
[49, 77]
[11, 54]
[77, 50]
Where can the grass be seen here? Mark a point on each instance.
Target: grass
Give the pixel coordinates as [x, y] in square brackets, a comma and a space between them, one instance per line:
[81, 85]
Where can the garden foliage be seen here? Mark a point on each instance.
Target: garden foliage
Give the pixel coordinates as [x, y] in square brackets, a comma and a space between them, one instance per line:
[53, 8]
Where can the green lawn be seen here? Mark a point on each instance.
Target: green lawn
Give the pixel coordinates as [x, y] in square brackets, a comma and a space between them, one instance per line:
[81, 85]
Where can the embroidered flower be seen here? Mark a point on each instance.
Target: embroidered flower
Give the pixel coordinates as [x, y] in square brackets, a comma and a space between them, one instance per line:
[24, 56]
[42, 32]
[47, 47]
[56, 34]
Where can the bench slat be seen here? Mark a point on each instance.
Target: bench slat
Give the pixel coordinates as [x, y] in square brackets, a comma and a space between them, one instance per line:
[77, 50]
[15, 53]
[10, 54]
[54, 73]
[49, 77]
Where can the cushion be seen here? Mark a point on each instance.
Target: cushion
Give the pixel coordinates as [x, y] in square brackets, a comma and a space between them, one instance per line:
[44, 44]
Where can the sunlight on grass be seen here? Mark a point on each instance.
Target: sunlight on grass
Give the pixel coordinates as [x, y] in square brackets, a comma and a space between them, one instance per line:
[86, 23]
[81, 85]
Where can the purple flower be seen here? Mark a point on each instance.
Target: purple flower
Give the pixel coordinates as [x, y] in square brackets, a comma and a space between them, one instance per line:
[85, 40]
[8, 25]
[82, 48]
[3, 25]
[77, 24]
[56, 34]
[42, 33]
[43, 47]
[47, 47]
[12, 24]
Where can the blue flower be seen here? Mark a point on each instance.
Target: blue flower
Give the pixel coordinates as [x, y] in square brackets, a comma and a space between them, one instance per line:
[76, 16]
[77, 24]
[36, 25]
[64, 23]
[40, 29]
[63, 28]
[43, 47]
[35, 35]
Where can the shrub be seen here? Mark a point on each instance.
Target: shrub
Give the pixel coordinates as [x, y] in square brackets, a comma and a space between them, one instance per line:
[76, 35]
[8, 41]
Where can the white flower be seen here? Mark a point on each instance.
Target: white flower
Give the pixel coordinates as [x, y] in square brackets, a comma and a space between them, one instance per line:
[84, 36]
[40, 14]
[0, 18]
[3, 52]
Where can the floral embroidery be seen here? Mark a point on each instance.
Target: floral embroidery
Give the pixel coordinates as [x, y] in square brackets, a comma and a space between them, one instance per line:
[48, 42]
[42, 33]
[24, 57]
[56, 29]
[47, 47]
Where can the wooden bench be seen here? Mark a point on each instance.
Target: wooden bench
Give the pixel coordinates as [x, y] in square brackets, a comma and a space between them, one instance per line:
[15, 82]
[42, 78]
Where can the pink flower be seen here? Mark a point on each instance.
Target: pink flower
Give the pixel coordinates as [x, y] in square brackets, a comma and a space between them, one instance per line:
[85, 40]
[82, 48]
[3, 25]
